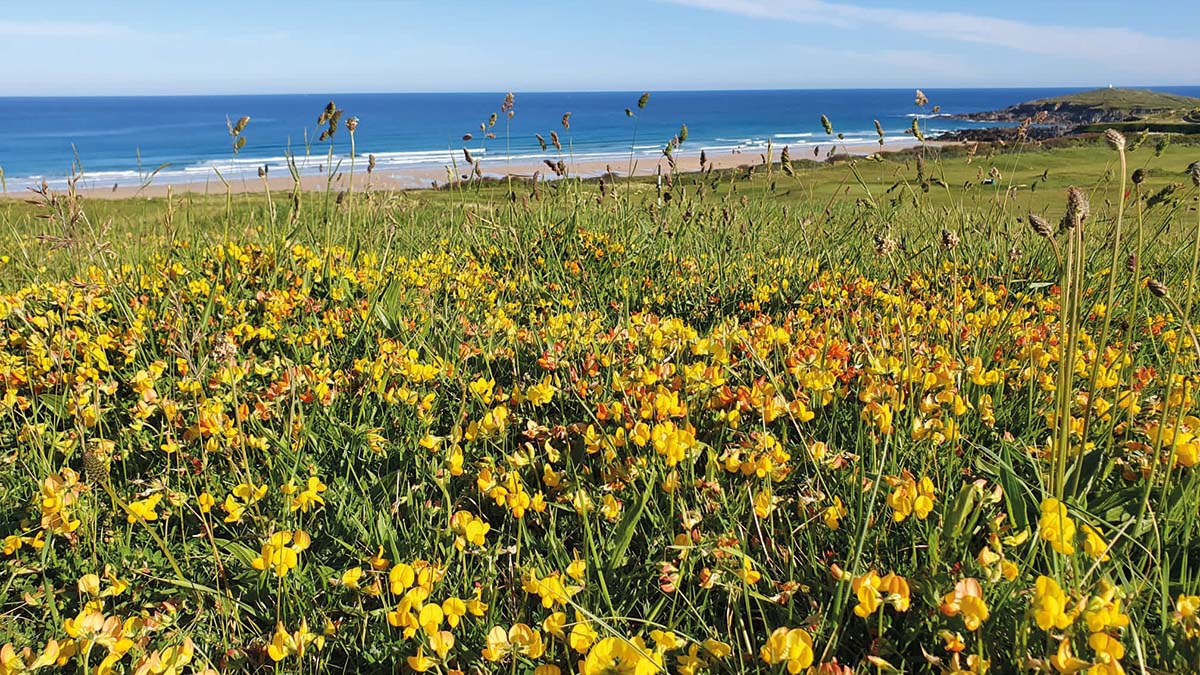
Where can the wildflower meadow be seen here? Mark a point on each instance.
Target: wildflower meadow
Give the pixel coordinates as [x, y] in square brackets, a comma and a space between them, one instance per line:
[869, 415]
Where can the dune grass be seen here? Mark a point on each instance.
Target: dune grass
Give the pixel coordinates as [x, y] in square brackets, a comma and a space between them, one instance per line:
[857, 418]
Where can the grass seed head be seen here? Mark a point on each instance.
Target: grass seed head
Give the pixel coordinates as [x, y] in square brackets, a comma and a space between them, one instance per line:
[1157, 288]
[950, 239]
[1040, 226]
[1115, 139]
[884, 245]
[1078, 207]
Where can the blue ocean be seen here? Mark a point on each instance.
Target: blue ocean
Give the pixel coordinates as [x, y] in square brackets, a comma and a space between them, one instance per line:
[115, 140]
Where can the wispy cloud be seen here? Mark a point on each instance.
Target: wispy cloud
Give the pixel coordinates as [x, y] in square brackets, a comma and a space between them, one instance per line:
[60, 29]
[1084, 43]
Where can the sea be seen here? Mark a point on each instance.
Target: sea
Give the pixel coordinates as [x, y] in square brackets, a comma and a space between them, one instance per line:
[126, 141]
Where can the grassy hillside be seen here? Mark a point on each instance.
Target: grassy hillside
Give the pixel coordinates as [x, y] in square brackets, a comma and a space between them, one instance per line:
[1120, 99]
[1104, 106]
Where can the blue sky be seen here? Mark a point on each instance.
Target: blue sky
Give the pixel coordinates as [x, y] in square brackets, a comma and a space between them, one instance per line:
[223, 46]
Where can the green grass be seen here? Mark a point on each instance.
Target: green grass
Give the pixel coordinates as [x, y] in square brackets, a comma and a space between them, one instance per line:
[726, 408]
[1119, 98]
[1031, 179]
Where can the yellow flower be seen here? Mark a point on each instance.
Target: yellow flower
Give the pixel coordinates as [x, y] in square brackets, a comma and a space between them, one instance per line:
[577, 569]
[1065, 662]
[610, 507]
[401, 578]
[618, 656]
[542, 393]
[747, 573]
[498, 646]
[554, 624]
[442, 642]
[89, 584]
[966, 600]
[690, 663]
[1108, 648]
[351, 576]
[249, 492]
[144, 509]
[764, 503]
[895, 591]
[582, 636]
[470, 530]
[170, 661]
[454, 609]
[476, 606]
[310, 496]
[665, 640]
[206, 502]
[717, 648]
[879, 415]
[1103, 612]
[1187, 614]
[792, 646]
[910, 496]
[420, 662]
[1057, 527]
[12, 544]
[234, 509]
[379, 562]
[833, 514]
[866, 590]
[282, 645]
[1093, 543]
[974, 612]
[519, 639]
[430, 618]
[1050, 605]
[115, 585]
[551, 588]
[278, 556]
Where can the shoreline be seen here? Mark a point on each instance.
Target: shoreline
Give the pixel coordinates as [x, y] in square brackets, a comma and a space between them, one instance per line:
[433, 177]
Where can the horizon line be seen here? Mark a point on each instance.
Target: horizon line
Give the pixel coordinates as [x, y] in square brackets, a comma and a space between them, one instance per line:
[596, 91]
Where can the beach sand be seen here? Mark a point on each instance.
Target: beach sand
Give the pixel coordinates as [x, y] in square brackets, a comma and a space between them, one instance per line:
[431, 177]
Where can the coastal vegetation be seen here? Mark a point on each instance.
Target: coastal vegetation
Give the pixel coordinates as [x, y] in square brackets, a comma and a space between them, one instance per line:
[1128, 110]
[923, 412]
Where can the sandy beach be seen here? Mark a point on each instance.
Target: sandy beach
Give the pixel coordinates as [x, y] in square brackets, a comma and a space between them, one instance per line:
[426, 177]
